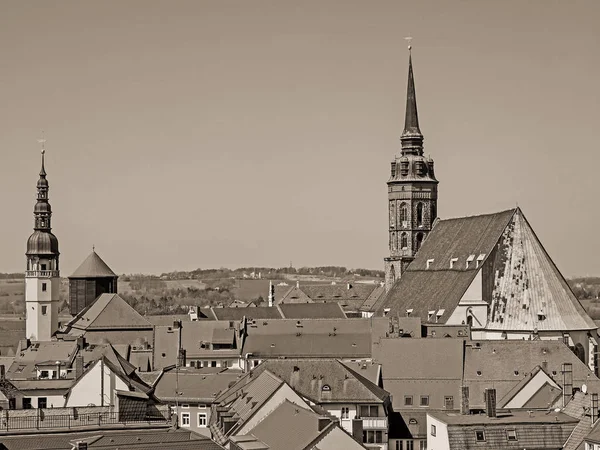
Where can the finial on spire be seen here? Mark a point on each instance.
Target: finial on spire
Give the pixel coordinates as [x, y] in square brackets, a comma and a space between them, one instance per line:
[93, 248]
[409, 40]
[42, 141]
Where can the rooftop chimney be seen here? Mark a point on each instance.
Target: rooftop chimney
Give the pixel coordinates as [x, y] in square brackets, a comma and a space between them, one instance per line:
[567, 371]
[464, 400]
[78, 366]
[490, 402]
[271, 294]
[357, 430]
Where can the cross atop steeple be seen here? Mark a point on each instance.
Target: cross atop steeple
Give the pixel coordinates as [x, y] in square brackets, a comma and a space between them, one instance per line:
[42, 141]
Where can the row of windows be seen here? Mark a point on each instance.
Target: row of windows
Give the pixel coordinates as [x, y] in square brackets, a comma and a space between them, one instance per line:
[409, 444]
[186, 419]
[511, 435]
[42, 402]
[199, 364]
[424, 401]
[364, 411]
[403, 213]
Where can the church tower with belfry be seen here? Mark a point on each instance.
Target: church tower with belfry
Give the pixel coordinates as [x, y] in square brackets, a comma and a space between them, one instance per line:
[42, 277]
[412, 192]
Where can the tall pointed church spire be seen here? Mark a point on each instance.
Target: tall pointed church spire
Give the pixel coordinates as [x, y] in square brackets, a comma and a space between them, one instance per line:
[412, 139]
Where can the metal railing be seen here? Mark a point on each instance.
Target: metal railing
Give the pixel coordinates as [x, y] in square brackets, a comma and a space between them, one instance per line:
[39, 420]
[42, 273]
[370, 423]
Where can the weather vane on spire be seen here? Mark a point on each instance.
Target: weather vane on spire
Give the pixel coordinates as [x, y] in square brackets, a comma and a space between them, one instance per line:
[43, 142]
[409, 40]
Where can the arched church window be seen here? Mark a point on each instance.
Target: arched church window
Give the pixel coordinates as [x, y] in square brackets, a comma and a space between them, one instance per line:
[403, 210]
[393, 274]
[393, 241]
[470, 320]
[404, 241]
[419, 241]
[419, 214]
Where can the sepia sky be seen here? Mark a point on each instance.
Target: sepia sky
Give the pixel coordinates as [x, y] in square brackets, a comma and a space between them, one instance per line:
[186, 134]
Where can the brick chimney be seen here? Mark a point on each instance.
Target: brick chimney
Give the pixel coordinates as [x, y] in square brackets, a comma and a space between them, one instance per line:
[490, 402]
[78, 366]
[464, 400]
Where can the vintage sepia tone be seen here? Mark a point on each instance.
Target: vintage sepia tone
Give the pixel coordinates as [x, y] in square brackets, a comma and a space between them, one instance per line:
[212, 260]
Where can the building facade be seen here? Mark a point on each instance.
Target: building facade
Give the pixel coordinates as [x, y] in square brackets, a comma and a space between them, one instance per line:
[412, 193]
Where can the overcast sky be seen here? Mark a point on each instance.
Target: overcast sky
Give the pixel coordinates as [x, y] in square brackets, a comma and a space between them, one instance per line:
[185, 134]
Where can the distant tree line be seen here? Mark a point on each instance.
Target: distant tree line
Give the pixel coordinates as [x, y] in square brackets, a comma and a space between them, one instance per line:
[272, 273]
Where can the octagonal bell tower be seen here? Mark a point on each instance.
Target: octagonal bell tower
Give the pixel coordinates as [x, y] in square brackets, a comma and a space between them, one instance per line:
[412, 193]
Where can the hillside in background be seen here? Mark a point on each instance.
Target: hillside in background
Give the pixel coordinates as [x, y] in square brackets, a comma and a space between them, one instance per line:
[175, 292]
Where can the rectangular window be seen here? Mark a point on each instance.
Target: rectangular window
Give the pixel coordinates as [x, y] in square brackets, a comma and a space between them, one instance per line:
[213, 364]
[399, 445]
[449, 402]
[26, 403]
[408, 400]
[422, 445]
[410, 445]
[43, 374]
[185, 419]
[192, 363]
[480, 436]
[224, 363]
[433, 430]
[202, 420]
[345, 412]
[364, 411]
[42, 402]
[511, 435]
[424, 400]
[44, 287]
[373, 411]
[43, 266]
[44, 310]
[185, 406]
[372, 437]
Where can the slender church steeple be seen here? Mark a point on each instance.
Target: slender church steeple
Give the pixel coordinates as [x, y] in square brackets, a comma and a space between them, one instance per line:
[42, 277]
[412, 139]
[412, 192]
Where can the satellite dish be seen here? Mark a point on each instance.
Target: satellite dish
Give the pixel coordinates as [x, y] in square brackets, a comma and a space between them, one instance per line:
[556, 409]
[583, 388]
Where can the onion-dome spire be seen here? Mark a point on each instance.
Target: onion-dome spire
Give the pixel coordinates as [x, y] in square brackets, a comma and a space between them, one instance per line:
[42, 241]
[412, 139]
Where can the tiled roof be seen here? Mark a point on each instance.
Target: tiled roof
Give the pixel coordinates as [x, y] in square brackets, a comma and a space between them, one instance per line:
[93, 267]
[304, 429]
[311, 311]
[245, 398]
[193, 385]
[523, 287]
[41, 353]
[539, 430]
[527, 284]
[424, 288]
[582, 429]
[308, 376]
[193, 334]
[108, 311]
[11, 332]
[373, 297]
[493, 364]
[594, 434]
[132, 439]
[258, 312]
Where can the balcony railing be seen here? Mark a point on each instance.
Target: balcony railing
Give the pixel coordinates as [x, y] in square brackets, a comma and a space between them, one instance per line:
[41, 273]
[372, 423]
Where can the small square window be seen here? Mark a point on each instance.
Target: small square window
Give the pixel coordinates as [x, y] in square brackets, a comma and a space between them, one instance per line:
[185, 419]
[44, 287]
[44, 310]
[424, 400]
[480, 436]
[185, 406]
[511, 435]
[408, 400]
[202, 420]
[433, 430]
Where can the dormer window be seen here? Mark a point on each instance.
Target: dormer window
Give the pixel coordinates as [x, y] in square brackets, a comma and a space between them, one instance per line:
[470, 259]
[430, 262]
[452, 261]
[479, 261]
